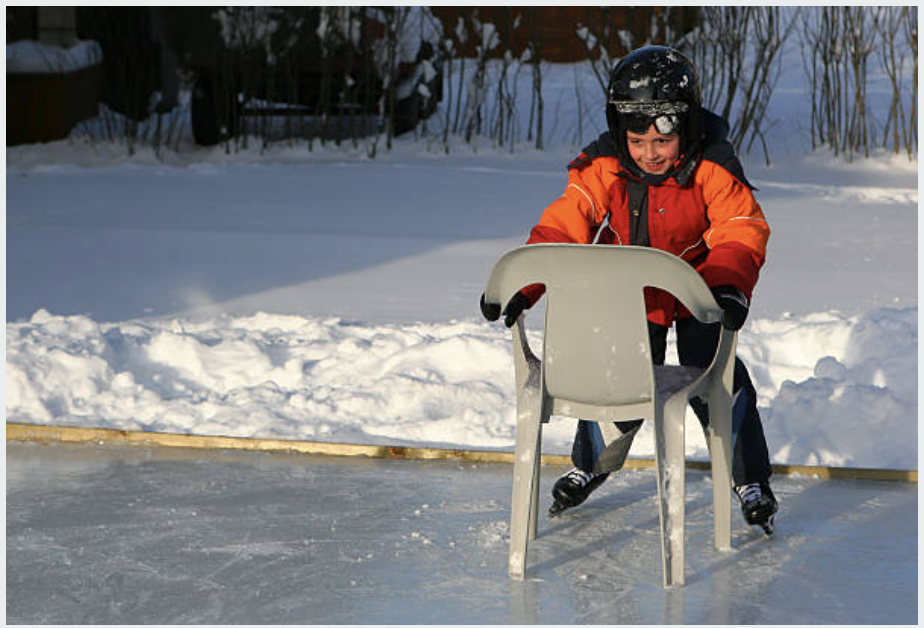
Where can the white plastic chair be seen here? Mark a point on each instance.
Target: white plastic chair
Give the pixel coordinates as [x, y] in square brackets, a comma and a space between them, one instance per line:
[596, 365]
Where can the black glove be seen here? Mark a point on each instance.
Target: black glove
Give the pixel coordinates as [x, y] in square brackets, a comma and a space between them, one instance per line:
[515, 307]
[491, 311]
[734, 304]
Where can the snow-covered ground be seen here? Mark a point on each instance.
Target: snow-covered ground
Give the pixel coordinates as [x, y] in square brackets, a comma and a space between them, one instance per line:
[322, 295]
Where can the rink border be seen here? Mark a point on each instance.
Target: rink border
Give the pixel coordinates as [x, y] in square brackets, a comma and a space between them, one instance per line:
[24, 432]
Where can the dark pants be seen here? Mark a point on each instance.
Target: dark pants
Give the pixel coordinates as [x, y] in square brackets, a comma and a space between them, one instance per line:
[696, 346]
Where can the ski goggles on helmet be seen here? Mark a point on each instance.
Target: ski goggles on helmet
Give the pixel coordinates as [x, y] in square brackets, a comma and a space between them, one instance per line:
[637, 116]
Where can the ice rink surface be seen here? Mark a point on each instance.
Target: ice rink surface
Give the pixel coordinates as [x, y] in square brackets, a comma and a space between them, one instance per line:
[103, 534]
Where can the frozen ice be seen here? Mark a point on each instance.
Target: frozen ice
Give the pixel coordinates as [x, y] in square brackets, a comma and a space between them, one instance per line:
[146, 535]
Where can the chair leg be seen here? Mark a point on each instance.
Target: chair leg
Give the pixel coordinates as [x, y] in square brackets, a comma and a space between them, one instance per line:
[720, 403]
[720, 449]
[719, 439]
[524, 478]
[669, 450]
[534, 499]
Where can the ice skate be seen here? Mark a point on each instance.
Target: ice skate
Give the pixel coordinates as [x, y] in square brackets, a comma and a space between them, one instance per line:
[573, 488]
[758, 505]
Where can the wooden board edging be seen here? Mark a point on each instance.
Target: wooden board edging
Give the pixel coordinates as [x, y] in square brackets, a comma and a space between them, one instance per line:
[23, 432]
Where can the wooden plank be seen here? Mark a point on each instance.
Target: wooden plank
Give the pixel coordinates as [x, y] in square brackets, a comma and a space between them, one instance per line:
[23, 432]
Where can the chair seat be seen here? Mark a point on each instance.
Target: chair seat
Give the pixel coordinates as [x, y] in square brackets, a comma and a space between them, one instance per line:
[671, 379]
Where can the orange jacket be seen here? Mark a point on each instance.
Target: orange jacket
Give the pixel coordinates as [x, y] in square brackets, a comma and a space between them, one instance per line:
[711, 220]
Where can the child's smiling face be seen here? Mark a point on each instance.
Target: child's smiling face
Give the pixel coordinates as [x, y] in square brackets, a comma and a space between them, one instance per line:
[653, 152]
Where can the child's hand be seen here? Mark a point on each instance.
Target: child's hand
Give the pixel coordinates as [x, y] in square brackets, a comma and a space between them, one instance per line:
[515, 307]
[490, 311]
[734, 304]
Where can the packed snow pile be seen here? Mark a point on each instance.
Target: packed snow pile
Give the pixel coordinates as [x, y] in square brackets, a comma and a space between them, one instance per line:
[451, 384]
[858, 406]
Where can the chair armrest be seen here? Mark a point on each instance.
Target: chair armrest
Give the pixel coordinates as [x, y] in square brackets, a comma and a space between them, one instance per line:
[725, 357]
[527, 367]
[720, 383]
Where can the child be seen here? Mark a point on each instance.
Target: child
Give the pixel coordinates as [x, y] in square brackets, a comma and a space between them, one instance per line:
[664, 176]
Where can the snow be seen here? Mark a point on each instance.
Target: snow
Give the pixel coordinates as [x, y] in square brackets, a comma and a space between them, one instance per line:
[31, 57]
[322, 295]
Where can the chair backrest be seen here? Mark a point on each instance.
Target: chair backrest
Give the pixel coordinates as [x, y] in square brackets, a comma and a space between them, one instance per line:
[596, 349]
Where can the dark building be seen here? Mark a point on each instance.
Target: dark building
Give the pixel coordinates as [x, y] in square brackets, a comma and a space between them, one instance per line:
[147, 50]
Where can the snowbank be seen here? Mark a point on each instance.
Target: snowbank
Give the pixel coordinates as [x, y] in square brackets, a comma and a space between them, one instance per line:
[858, 406]
[451, 384]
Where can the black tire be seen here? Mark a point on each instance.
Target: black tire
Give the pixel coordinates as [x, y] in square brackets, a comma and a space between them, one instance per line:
[204, 125]
[407, 113]
[214, 111]
[410, 111]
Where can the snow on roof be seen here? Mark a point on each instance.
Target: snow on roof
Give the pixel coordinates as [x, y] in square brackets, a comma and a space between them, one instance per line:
[32, 57]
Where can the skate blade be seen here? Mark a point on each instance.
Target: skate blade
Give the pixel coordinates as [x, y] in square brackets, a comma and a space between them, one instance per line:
[556, 509]
[768, 526]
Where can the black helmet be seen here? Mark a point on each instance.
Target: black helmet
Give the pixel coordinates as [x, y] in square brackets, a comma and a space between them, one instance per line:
[655, 85]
